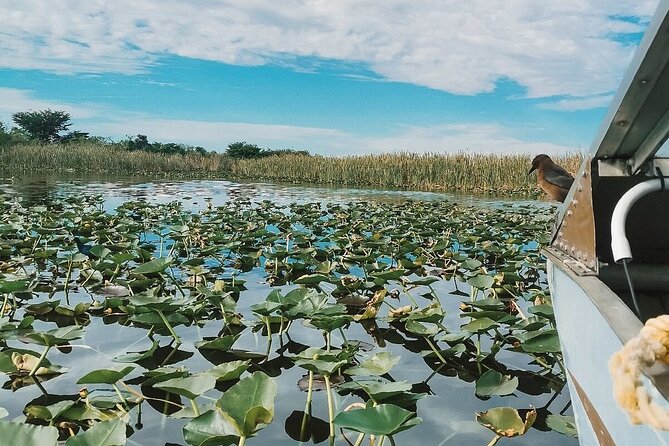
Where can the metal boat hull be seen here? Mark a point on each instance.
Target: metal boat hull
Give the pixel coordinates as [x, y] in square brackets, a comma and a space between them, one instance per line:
[594, 323]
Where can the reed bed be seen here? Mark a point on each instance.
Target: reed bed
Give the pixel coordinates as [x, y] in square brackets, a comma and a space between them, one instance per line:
[450, 172]
[108, 159]
[455, 172]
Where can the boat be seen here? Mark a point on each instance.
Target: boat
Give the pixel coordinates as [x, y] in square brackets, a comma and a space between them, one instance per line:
[608, 261]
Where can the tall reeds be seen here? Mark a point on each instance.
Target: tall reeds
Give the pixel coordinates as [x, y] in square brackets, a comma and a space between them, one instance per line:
[107, 159]
[449, 172]
[454, 172]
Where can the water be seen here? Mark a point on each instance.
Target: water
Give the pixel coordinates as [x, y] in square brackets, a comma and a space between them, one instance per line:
[447, 412]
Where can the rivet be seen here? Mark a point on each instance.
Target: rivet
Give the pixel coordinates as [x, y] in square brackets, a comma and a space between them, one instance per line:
[643, 81]
[570, 213]
[574, 202]
[622, 123]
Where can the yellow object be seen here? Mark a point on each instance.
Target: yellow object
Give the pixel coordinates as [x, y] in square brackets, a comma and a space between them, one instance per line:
[638, 354]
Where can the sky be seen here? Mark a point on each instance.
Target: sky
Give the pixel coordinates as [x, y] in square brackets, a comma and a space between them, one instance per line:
[334, 77]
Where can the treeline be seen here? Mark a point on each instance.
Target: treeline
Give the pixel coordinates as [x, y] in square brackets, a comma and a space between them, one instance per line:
[48, 127]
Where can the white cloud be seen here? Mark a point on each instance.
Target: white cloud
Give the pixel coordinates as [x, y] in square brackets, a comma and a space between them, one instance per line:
[14, 100]
[573, 104]
[469, 137]
[217, 134]
[550, 47]
[466, 137]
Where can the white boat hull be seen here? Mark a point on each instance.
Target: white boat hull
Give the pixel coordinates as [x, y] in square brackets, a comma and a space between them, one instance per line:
[593, 324]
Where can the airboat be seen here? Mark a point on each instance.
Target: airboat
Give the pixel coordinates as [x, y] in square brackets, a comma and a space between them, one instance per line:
[608, 262]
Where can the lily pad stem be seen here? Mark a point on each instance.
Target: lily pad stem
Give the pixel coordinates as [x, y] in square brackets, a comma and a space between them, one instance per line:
[494, 441]
[66, 289]
[307, 407]
[120, 396]
[269, 334]
[4, 305]
[242, 441]
[196, 409]
[435, 350]
[358, 441]
[169, 327]
[330, 405]
[176, 283]
[343, 336]
[39, 361]
[478, 352]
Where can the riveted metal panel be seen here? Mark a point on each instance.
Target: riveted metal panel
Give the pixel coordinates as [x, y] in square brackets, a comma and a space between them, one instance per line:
[575, 234]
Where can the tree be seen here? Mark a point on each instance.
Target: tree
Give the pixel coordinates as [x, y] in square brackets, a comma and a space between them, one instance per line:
[43, 125]
[242, 150]
[141, 142]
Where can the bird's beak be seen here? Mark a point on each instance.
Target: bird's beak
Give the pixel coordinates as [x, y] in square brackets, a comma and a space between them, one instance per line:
[532, 170]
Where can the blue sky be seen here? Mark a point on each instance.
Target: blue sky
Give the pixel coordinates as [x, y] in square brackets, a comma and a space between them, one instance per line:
[332, 77]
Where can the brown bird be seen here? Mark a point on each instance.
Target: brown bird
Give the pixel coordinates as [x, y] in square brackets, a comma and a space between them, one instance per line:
[553, 179]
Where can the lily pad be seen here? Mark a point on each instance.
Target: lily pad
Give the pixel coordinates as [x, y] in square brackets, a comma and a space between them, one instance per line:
[379, 364]
[494, 383]
[250, 403]
[505, 421]
[190, 386]
[105, 376]
[27, 434]
[384, 419]
[104, 433]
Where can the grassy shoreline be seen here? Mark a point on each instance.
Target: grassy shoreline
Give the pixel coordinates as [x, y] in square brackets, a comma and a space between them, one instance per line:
[502, 175]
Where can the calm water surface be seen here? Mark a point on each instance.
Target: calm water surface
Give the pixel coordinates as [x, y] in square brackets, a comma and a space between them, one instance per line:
[447, 412]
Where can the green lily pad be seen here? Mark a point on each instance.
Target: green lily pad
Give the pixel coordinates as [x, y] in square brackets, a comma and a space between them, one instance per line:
[250, 403]
[494, 383]
[311, 279]
[104, 433]
[563, 424]
[228, 370]
[211, 428]
[50, 412]
[480, 325]
[505, 421]
[154, 266]
[546, 341]
[481, 281]
[384, 419]
[422, 329]
[137, 356]
[27, 434]
[105, 376]
[189, 386]
[223, 343]
[56, 336]
[379, 364]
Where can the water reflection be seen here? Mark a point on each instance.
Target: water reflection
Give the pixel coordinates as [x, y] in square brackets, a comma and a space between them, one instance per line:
[199, 194]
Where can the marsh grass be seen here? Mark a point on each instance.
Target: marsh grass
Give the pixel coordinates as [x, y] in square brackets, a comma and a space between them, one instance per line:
[454, 172]
[107, 159]
[448, 172]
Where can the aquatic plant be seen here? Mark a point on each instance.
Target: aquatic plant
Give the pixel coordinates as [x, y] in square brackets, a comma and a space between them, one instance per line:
[190, 295]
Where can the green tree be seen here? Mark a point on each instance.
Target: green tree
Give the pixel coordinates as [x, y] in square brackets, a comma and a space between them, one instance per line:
[43, 125]
[242, 150]
[5, 136]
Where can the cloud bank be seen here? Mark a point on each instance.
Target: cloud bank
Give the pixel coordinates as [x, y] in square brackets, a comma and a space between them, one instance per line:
[572, 48]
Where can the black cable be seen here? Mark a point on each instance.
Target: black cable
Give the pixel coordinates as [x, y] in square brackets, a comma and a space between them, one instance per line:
[659, 173]
[629, 283]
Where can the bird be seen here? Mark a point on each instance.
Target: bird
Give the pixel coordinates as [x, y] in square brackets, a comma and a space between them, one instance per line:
[553, 179]
[84, 249]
